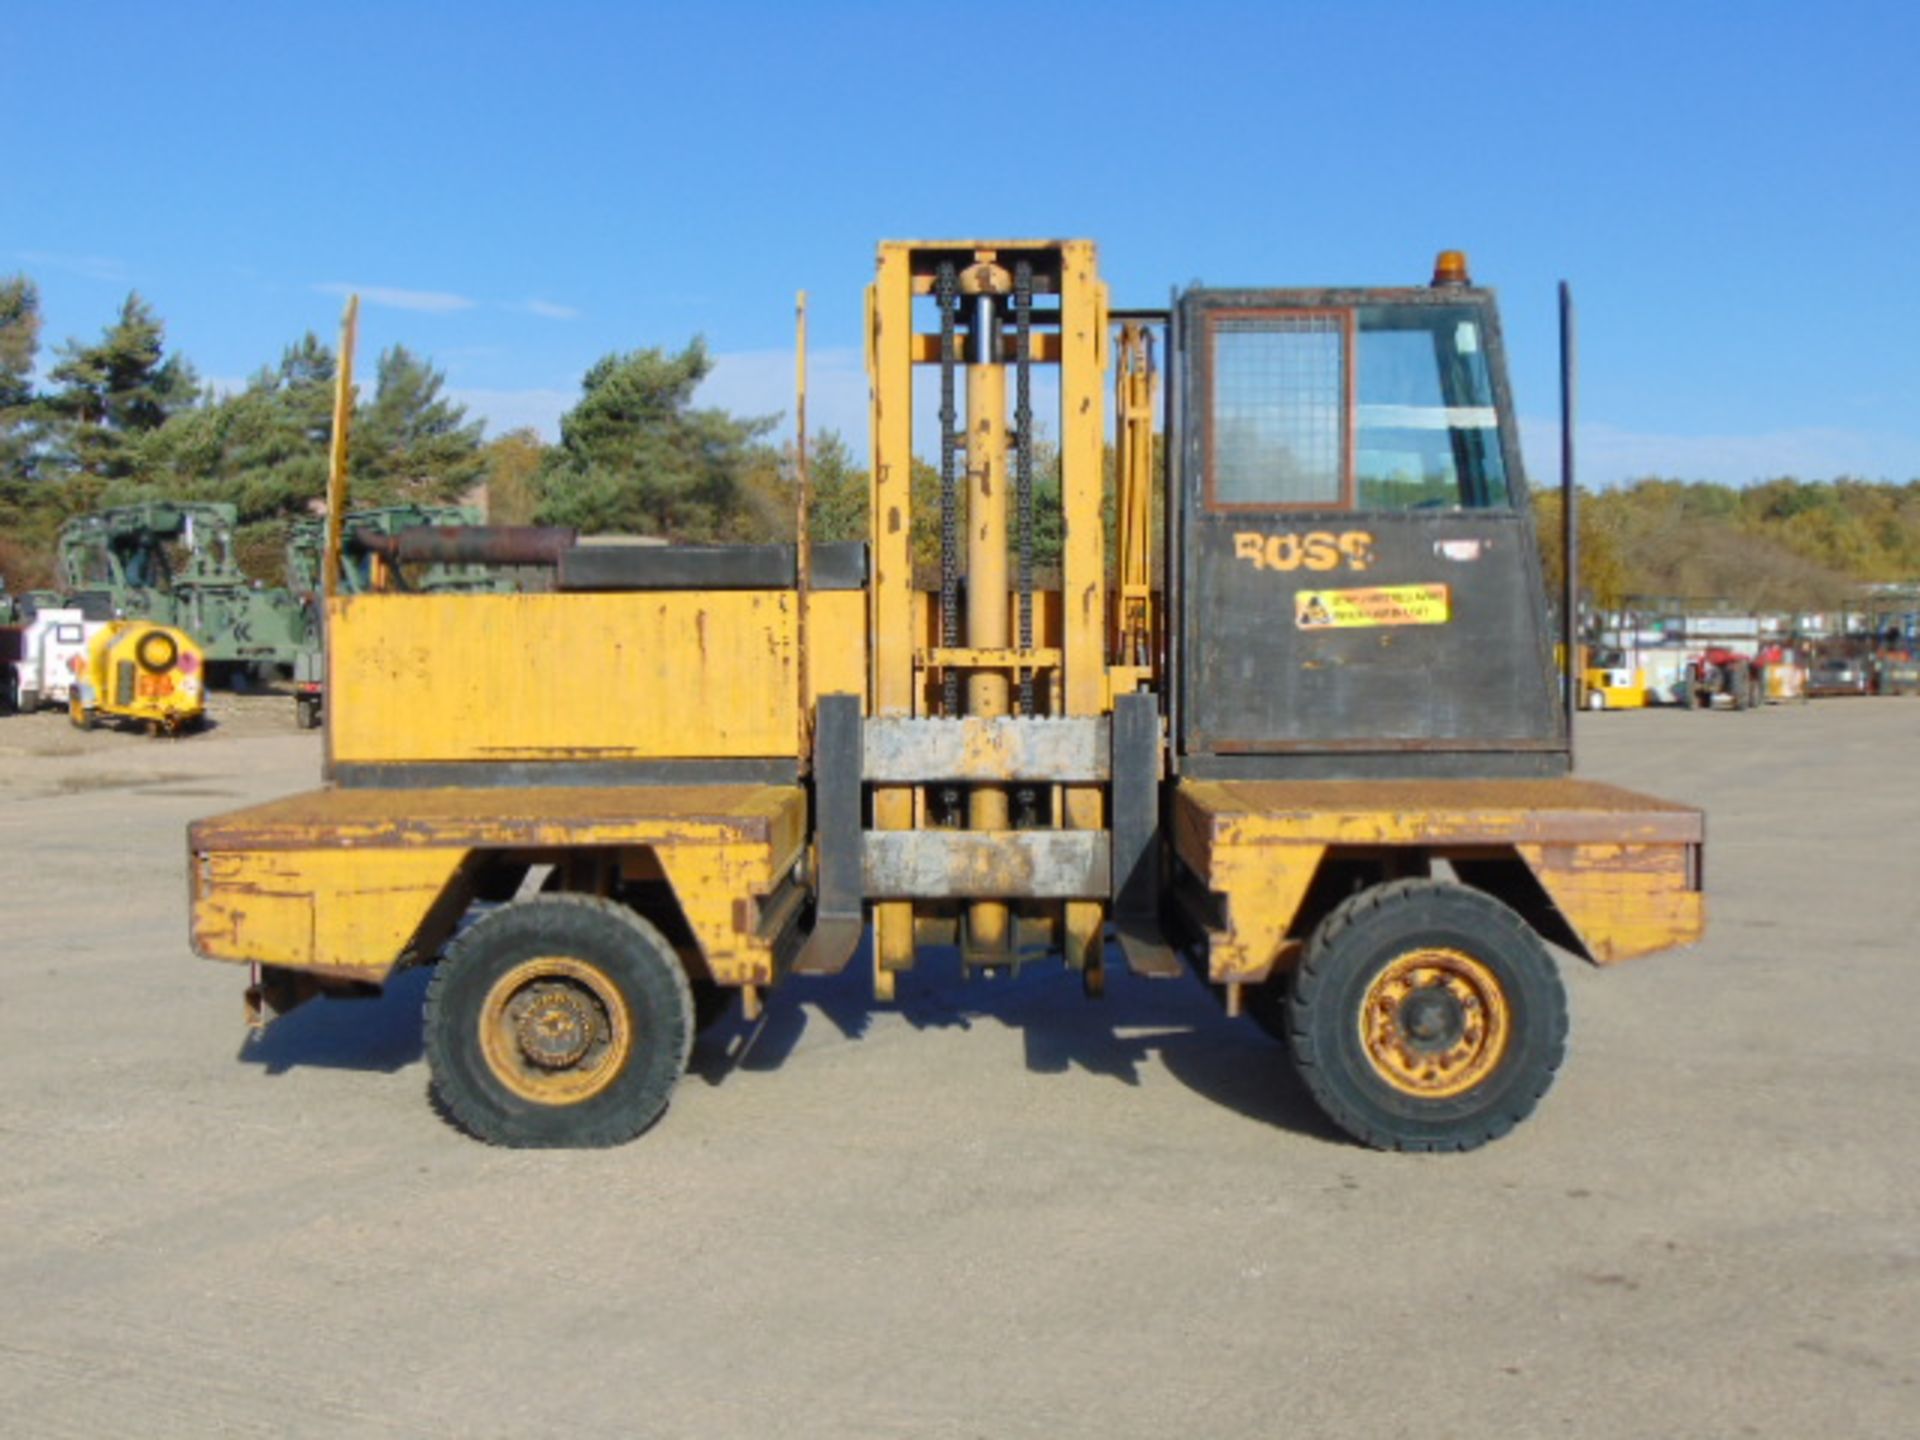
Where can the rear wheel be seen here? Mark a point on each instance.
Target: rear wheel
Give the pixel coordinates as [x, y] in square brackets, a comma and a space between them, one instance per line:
[563, 1020]
[1426, 1016]
[1596, 700]
[306, 712]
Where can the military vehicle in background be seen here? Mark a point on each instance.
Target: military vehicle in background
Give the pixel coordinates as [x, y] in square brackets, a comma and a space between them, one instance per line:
[172, 562]
[306, 540]
[367, 563]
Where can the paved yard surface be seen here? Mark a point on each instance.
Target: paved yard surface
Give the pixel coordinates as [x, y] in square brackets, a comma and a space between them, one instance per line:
[995, 1210]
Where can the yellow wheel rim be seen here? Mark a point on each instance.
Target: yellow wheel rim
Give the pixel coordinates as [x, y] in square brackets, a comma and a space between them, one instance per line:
[555, 1030]
[1434, 1023]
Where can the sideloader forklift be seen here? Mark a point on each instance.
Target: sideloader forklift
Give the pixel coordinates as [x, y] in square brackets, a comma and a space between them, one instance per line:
[1324, 757]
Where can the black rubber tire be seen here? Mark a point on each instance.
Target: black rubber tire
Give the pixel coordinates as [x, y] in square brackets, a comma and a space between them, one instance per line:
[306, 712]
[1353, 945]
[628, 953]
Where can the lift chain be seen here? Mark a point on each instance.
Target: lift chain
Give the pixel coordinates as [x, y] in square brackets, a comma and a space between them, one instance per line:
[1023, 459]
[947, 289]
[1023, 490]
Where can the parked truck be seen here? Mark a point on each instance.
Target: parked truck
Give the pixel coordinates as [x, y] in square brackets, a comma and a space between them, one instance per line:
[1319, 755]
[42, 656]
[1719, 678]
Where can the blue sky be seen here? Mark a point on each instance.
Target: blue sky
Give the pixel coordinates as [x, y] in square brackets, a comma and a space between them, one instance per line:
[1734, 189]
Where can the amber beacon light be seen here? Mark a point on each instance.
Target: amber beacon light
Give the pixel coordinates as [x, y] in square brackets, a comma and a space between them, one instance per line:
[1450, 268]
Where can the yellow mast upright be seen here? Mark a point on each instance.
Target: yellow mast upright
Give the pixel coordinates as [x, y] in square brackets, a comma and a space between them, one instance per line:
[337, 452]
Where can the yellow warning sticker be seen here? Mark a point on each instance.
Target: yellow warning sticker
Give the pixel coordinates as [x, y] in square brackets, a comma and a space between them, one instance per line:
[1387, 605]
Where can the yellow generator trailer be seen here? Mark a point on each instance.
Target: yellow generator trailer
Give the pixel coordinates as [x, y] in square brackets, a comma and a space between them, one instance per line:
[136, 670]
[1298, 728]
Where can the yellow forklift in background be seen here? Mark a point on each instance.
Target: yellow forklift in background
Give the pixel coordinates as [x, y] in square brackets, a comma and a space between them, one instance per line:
[1608, 682]
[1323, 757]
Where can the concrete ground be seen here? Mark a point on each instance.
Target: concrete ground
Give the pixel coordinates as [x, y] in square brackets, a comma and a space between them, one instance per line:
[993, 1211]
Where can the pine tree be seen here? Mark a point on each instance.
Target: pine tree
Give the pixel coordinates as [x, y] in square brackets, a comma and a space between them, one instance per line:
[410, 442]
[636, 457]
[263, 450]
[110, 393]
[19, 345]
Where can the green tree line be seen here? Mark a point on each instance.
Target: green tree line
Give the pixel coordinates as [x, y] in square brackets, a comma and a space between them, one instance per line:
[1782, 544]
[121, 418]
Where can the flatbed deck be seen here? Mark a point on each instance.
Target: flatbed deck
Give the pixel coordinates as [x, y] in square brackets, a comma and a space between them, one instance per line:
[343, 818]
[293, 883]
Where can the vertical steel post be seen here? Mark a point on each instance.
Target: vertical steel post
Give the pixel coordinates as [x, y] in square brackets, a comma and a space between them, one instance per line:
[1083, 561]
[802, 531]
[890, 590]
[1569, 526]
[337, 450]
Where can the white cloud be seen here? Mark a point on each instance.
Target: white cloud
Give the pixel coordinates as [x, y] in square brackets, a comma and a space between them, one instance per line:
[547, 310]
[503, 410]
[89, 267]
[431, 302]
[1611, 455]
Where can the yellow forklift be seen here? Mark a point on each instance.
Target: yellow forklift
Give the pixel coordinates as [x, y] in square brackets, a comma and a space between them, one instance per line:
[1319, 752]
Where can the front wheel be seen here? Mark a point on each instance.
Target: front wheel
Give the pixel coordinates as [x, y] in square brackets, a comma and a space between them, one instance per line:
[1596, 700]
[1426, 1016]
[79, 714]
[562, 1020]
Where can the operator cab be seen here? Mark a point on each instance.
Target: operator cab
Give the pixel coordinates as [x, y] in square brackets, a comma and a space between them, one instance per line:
[1356, 583]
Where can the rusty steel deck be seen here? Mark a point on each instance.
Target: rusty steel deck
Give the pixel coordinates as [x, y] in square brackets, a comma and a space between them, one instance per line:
[525, 817]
